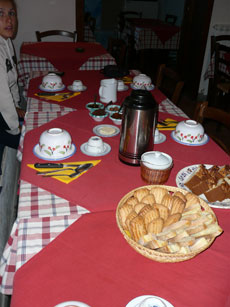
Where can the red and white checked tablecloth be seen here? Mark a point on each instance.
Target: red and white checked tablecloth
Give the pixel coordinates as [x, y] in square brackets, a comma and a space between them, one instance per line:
[41, 215]
[28, 63]
[148, 38]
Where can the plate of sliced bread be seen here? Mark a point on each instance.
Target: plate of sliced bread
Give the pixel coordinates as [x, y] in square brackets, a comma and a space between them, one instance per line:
[210, 182]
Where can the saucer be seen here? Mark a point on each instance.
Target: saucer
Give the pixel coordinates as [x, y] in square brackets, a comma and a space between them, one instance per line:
[162, 138]
[98, 130]
[72, 304]
[38, 154]
[136, 301]
[107, 149]
[123, 89]
[49, 90]
[203, 142]
[70, 88]
[150, 88]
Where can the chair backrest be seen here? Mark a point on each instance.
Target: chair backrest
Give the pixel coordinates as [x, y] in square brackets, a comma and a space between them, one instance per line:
[222, 62]
[170, 83]
[64, 33]
[123, 15]
[203, 111]
[171, 19]
[217, 52]
[117, 48]
[222, 39]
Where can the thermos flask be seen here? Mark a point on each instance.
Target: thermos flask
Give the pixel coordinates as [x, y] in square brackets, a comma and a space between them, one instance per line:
[139, 119]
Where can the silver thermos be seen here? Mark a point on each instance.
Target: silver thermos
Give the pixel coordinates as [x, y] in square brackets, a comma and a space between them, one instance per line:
[139, 120]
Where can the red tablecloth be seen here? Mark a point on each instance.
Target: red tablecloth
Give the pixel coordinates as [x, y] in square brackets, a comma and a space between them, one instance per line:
[163, 30]
[102, 187]
[92, 263]
[63, 55]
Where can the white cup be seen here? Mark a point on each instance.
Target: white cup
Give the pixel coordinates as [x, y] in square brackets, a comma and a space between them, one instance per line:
[95, 144]
[77, 85]
[120, 85]
[156, 135]
[108, 90]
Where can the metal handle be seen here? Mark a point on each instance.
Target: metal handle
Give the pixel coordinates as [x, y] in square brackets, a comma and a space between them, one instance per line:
[48, 165]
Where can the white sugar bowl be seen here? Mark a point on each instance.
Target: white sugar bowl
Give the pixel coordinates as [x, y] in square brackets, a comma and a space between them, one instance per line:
[155, 167]
[189, 132]
[52, 82]
[142, 81]
[55, 143]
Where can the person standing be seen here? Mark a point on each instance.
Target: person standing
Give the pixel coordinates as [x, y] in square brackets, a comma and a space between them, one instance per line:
[10, 111]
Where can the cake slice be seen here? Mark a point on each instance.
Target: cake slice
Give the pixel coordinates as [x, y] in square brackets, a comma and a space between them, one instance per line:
[218, 192]
[197, 177]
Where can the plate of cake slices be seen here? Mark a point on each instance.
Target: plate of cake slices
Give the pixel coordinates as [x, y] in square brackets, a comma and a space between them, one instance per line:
[210, 182]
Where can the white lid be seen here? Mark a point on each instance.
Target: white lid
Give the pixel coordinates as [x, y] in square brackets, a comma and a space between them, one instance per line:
[156, 160]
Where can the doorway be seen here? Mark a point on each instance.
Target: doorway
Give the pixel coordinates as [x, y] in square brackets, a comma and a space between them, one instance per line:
[194, 33]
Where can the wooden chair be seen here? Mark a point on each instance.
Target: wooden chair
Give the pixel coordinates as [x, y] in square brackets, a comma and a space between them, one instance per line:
[170, 83]
[220, 84]
[123, 15]
[171, 19]
[41, 35]
[203, 111]
[118, 48]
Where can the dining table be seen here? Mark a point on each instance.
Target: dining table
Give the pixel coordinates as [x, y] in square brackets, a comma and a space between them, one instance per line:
[152, 34]
[43, 56]
[65, 244]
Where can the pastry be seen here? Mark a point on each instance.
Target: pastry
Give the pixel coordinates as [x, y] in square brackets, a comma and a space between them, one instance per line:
[137, 228]
[158, 193]
[141, 193]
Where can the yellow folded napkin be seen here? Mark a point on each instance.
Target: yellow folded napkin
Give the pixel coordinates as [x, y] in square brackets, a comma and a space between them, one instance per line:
[127, 79]
[59, 97]
[168, 124]
[64, 179]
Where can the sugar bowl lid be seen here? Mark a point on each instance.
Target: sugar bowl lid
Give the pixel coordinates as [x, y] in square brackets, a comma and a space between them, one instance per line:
[156, 160]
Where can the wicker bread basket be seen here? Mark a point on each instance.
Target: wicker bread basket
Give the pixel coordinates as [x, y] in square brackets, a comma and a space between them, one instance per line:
[153, 254]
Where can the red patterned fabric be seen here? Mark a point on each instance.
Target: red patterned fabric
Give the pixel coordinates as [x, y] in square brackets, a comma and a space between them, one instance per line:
[64, 55]
[91, 262]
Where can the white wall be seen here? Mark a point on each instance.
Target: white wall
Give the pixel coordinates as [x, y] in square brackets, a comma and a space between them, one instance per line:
[149, 9]
[220, 15]
[43, 15]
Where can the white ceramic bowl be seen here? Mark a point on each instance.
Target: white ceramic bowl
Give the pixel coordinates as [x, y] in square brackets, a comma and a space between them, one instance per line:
[52, 82]
[189, 132]
[98, 117]
[116, 121]
[142, 81]
[55, 143]
[95, 144]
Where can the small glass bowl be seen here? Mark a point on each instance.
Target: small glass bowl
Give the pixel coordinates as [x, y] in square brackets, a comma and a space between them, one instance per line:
[98, 117]
[116, 118]
[91, 106]
[112, 108]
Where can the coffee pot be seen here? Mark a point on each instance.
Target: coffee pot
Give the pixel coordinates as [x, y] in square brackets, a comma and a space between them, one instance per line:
[139, 119]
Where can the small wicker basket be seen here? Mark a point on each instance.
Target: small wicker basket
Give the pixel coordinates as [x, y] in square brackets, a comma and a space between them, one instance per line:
[155, 255]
